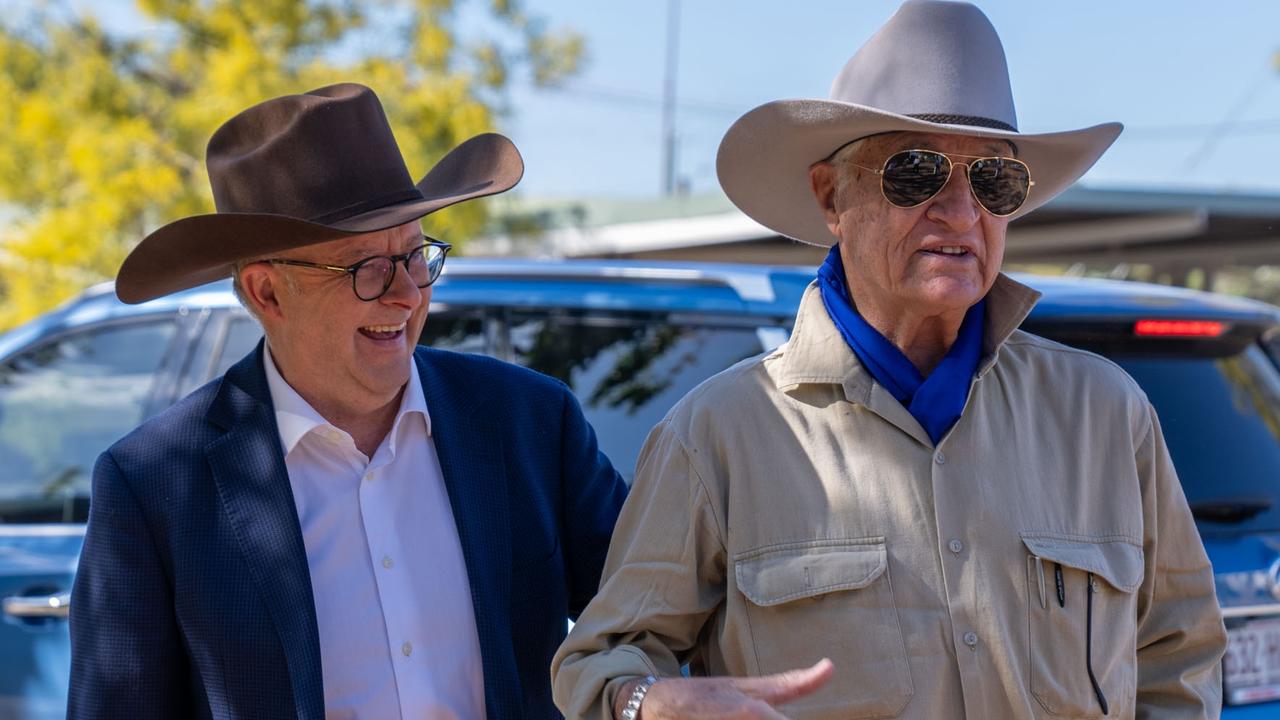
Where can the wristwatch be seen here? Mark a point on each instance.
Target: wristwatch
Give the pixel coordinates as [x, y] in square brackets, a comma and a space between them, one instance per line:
[632, 708]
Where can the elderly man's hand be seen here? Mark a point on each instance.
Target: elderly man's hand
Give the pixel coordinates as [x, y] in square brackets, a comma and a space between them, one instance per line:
[728, 697]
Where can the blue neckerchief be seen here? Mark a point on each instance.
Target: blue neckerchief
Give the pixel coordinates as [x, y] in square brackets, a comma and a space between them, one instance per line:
[936, 401]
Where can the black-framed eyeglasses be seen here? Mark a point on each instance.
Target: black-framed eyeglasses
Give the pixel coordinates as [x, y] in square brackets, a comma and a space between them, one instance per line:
[372, 276]
[911, 177]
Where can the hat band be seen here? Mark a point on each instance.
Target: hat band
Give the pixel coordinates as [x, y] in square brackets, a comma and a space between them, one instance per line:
[976, 121]
[349, 211]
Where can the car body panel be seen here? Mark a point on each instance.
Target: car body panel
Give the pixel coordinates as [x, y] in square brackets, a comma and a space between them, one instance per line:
[35, 561]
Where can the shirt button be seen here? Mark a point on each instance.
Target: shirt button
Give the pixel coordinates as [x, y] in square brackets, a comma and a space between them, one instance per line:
[955, 546]
[407, 649]
[971, 639]
[940, 459]
[368, 477]
[387, 562]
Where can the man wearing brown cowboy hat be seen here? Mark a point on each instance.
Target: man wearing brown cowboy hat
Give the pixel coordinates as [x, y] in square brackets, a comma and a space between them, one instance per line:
[936, 514]
[345, 525]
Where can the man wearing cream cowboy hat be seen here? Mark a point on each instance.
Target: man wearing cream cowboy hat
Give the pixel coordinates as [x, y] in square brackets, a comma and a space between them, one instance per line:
[344, 525]
[912, 509]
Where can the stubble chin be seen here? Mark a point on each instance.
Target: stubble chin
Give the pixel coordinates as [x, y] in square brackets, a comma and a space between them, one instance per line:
[949, 292]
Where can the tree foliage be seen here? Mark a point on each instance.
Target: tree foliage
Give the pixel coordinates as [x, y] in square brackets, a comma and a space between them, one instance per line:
[105, 132]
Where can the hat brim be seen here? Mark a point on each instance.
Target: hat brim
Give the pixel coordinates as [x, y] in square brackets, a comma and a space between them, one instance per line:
[764, 159]
[203, 248]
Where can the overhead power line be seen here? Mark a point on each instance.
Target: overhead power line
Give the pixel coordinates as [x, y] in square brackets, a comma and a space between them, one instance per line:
[635, 98]
[1213, 136]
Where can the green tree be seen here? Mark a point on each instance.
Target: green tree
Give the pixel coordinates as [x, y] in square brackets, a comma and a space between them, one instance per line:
[105, 133]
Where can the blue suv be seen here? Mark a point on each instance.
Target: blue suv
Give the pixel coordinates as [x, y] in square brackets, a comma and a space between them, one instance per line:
[630, 339]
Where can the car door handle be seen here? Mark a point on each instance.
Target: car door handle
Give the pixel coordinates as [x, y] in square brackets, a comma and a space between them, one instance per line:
[57, 605]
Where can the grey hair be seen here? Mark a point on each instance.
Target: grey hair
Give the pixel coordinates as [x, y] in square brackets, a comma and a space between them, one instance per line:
[845, 161]
[238, 289]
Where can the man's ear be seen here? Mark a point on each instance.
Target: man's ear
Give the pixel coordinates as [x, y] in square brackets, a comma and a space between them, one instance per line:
[822, 180]
[262, 284]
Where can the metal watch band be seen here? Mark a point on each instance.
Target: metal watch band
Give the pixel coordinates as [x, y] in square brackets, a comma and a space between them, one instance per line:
[632, 708]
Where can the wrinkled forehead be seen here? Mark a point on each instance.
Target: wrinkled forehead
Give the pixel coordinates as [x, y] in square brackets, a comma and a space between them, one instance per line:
[345, 251]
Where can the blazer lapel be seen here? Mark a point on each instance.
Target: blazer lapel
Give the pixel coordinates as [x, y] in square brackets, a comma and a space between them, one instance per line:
[471, 458]
[248, 467]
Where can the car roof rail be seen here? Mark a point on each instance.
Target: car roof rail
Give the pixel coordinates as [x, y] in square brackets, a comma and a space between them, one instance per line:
[750, 282]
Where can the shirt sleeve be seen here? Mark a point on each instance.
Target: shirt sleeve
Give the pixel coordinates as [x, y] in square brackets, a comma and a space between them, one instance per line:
[663, 578]
[593, 496]
[1181, 638]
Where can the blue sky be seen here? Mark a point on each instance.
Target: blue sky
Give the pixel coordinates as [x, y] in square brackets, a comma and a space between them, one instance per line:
[1196, 84]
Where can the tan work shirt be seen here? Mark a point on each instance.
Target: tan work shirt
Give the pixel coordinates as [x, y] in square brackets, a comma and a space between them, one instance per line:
[790, 509]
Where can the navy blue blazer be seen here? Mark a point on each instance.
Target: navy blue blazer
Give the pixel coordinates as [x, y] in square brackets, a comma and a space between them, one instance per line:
[193, 597]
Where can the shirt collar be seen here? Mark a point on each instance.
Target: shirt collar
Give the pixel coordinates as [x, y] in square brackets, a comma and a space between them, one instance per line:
[414, 400]
[817, 353]
[1008, 304]
[295, 417]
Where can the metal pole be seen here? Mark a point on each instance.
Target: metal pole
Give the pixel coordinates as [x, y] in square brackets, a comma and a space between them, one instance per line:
[669, 99]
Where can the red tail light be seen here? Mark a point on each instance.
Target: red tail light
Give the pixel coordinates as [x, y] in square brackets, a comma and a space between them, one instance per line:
[1179, 328]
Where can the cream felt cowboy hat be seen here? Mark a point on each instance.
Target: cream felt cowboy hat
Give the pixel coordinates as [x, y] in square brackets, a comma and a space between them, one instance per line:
[935, 67]
[304, 169]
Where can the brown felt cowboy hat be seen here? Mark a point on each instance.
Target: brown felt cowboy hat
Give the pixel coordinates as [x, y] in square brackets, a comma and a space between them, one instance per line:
[304, 169]
[935, 67]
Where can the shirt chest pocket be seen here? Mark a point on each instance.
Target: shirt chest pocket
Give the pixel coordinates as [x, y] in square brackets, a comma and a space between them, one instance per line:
[1083, 624]
[806, 601]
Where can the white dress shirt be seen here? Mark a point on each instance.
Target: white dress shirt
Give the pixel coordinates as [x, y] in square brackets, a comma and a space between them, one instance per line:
[397, 629]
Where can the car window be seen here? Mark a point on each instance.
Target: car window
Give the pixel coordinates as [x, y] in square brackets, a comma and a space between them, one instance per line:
[220, 342]
[243, 334]
[64, 402]
[627, 370]
[1221, 421]
[467, 331]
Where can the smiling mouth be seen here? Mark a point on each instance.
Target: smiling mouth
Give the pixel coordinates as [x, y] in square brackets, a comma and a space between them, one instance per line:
[383, 332]
[948, 251]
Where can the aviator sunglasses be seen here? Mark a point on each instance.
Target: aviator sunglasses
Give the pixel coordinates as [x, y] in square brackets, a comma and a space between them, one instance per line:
[911, 177]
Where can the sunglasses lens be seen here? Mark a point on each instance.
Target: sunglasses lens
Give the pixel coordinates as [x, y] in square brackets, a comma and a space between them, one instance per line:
[913, 176]
[1000, 184]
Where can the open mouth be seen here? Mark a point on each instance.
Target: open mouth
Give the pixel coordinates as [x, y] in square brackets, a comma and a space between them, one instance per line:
[948, 251]
[383, 332]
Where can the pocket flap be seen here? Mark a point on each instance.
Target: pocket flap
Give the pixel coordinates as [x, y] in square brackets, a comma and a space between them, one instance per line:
[782, 574]
[1119, 562]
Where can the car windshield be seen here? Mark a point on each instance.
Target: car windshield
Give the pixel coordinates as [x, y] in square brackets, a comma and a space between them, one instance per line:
[1221, 421]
